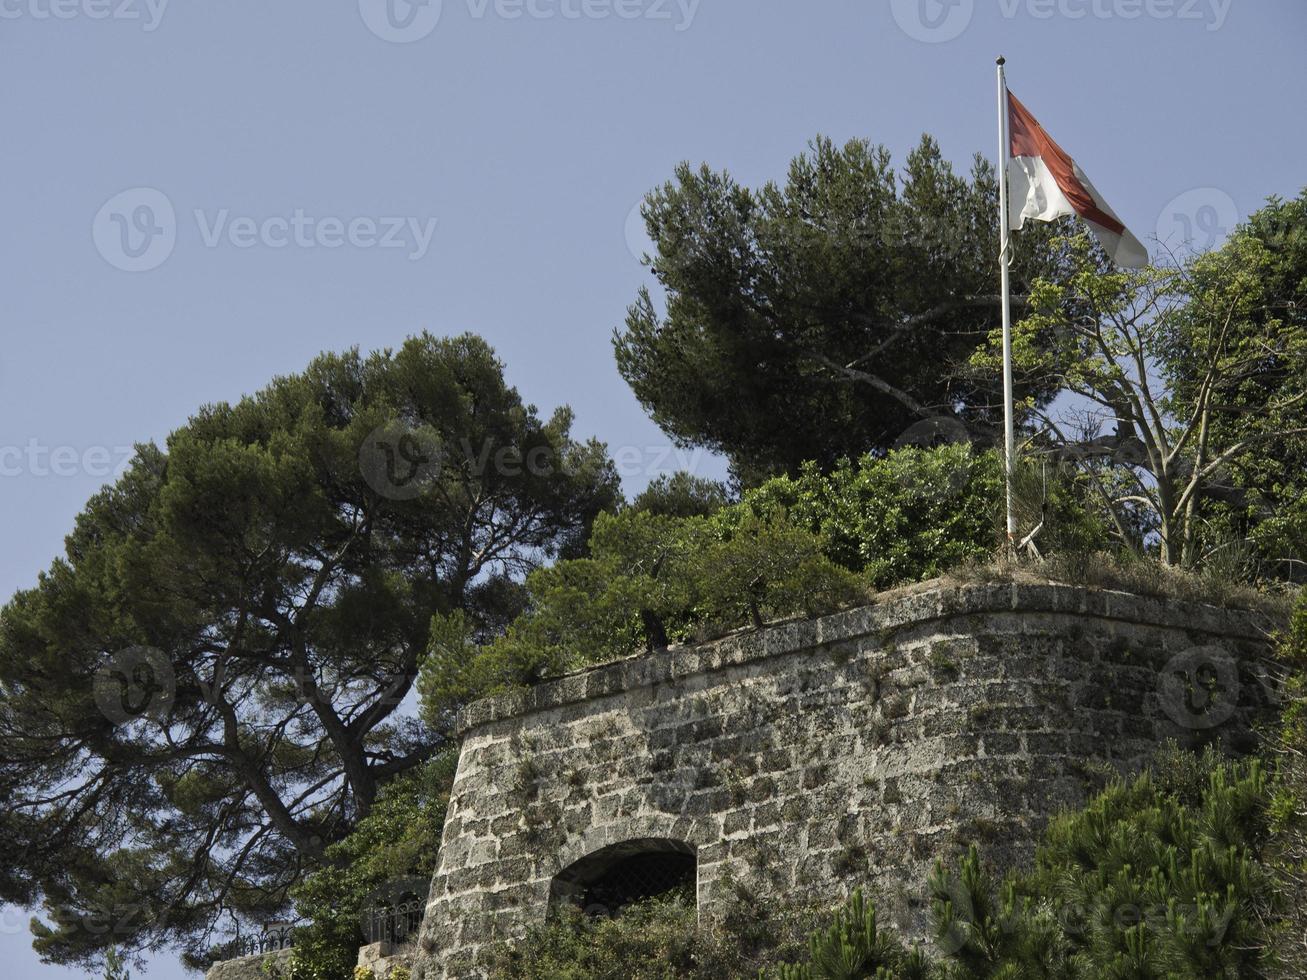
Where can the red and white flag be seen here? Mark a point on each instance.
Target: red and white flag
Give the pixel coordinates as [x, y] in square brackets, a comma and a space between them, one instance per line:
[1044, 183]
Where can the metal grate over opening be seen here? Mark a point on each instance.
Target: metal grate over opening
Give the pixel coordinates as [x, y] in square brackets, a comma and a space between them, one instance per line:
[639, 877]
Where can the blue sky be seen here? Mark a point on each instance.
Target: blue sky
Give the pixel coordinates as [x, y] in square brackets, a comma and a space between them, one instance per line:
[346, 174]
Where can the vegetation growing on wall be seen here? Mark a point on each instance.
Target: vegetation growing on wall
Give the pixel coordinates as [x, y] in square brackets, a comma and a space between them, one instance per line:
[1163, 876]
[1288, 850]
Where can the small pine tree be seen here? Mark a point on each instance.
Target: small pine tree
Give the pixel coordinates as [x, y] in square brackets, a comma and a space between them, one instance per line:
[853, 948]
[115, 968]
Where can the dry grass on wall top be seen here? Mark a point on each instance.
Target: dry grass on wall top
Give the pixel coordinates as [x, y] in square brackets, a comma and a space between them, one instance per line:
[1142, 576]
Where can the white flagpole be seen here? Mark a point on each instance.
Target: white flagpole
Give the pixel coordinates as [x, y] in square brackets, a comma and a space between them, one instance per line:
[1005, 258]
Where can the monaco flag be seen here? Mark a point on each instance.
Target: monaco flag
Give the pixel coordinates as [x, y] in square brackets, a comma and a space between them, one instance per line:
[1044, 183]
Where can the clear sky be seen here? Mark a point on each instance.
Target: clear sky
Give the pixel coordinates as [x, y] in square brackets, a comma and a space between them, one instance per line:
[511, 139]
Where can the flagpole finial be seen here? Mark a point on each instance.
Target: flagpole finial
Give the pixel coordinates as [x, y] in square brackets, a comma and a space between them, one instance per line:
[1001, 61]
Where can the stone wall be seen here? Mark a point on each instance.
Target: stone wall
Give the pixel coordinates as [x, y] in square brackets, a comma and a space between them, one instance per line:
[809, 757]
[383, 957]
[249, 967]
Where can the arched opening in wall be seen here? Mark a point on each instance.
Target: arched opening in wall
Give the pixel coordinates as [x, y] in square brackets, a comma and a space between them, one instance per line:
[607, 881]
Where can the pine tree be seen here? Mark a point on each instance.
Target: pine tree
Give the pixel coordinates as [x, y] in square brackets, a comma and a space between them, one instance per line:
[853, 948]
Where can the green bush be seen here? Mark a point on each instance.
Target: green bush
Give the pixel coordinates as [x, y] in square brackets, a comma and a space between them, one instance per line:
[651, 941]
[905, 517]
[916, 513]
[656, 940]
[665, 571]
[650, 579]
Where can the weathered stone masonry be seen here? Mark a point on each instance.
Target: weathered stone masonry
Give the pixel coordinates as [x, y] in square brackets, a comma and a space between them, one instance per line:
[809, 757]
[258, 967]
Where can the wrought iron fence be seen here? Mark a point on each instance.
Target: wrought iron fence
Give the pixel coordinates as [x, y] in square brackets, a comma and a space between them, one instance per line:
[395, 922]
[282, 937]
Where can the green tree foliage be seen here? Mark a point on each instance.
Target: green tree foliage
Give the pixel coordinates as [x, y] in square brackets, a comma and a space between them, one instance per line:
[114, 966]
[395, 844]
[682, 495]
[1190, 385]
[649, 579]
[201, 696]
[1262, 491]
[917, 513]
[820, 318]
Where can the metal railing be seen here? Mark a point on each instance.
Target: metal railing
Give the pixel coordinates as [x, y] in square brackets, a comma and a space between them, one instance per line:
[395, 922]
[282, 937]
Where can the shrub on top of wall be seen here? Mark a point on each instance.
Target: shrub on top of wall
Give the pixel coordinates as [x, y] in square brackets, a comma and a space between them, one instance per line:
[796, 546]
